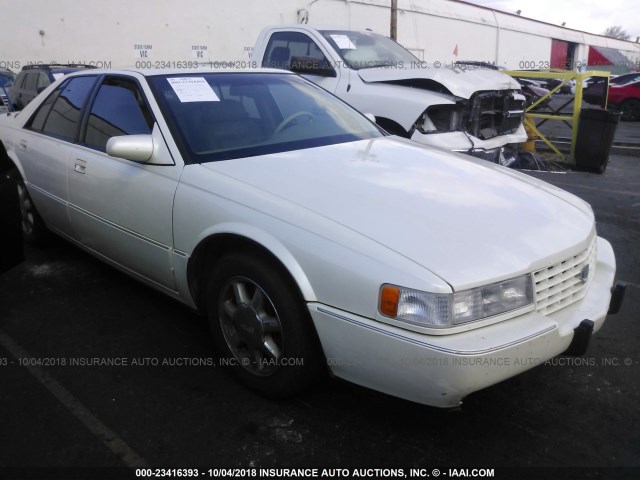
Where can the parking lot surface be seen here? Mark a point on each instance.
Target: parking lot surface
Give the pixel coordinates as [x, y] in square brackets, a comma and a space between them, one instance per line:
[98, 370]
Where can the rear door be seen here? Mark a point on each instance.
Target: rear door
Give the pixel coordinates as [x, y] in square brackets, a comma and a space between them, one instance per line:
[46, 143]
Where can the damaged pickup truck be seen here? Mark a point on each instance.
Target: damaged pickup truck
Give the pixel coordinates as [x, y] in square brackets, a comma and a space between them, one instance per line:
[474, 111]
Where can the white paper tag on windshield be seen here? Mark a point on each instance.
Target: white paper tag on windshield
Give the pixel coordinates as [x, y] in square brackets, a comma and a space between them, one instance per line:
[193, 89]
[343, 42]
[57, 75]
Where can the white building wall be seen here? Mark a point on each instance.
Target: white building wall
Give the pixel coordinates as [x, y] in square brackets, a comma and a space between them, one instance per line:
[430, 37]
[119, 32]
[108, 31]
[524, 51]
[433, 28]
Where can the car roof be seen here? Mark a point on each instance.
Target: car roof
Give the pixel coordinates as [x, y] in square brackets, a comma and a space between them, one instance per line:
[151, 72]
[66, 70]
[627, 84]
[626, 77]
[55, 67]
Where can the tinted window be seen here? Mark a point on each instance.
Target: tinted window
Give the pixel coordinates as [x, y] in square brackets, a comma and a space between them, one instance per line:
[283, 46]
[31, 83]
[20, 80]
[6, 80]
[216, 116]
[38, 119]
[43, 81]
[119, 109]
[64, 117]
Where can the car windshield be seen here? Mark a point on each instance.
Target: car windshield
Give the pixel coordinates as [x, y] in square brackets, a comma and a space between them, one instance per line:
[221, 116]
[6, 78]
[625, 79]
[369, 50]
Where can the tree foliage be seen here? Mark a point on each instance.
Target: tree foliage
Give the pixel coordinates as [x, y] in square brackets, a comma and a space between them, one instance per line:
[616, 31]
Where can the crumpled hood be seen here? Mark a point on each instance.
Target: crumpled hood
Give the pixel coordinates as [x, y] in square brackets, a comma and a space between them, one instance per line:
[467, 221]
[460, 82]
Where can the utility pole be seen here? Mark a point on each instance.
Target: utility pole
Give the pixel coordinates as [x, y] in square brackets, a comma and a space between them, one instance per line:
[394, 20]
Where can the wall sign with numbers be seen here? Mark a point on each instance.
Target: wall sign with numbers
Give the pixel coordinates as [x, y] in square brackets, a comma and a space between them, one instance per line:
[143, 50]
[199, 52]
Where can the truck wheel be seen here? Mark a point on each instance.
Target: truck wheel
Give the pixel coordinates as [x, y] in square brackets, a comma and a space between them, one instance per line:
[261, 327]
[34, 230]
[630, 110]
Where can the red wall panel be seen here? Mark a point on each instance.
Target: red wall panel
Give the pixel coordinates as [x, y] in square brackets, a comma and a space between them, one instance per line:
[559, 51]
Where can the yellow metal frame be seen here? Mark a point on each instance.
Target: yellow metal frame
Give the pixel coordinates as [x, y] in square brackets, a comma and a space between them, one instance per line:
[565, 76]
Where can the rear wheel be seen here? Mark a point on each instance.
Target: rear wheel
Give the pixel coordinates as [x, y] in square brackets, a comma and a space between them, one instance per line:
[630, 110]
[34, 230]
[261, 326]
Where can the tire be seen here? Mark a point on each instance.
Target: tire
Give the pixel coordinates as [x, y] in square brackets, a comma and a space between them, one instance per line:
[601, 168]
[34, 230]
[630, 110]
[261, 327]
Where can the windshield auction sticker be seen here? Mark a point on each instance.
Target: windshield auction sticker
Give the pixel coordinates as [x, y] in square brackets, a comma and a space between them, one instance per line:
[193, 89]
[343, 42]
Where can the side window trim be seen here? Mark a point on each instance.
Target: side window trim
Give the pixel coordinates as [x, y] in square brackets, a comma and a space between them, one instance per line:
[55, 93]
[84, 113]
[289, 38]
[83, 110]
[20, 84]
[84, 119]
[92, 98]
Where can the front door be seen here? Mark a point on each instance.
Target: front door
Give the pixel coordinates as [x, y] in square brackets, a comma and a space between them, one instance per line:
[122, 209]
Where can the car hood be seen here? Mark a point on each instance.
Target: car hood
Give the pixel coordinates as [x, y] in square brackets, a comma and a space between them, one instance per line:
[468, 221]
[460, 82]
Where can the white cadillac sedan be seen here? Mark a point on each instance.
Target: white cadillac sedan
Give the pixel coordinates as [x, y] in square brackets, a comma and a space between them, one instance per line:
[309, 237]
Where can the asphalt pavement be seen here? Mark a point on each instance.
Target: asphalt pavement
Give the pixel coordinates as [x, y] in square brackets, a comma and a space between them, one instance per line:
[100, 375]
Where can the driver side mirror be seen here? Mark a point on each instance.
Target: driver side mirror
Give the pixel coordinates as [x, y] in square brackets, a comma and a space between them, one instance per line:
[137, 148]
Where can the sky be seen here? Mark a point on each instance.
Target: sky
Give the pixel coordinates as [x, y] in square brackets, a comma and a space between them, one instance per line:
[592, 16]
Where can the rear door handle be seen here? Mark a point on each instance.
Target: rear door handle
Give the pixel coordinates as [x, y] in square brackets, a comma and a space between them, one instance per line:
[22, 144]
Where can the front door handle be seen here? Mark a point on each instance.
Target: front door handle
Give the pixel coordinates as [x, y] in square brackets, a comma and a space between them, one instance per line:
[80, 166]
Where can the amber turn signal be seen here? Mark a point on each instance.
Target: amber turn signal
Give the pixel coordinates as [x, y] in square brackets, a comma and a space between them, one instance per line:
[389, 298]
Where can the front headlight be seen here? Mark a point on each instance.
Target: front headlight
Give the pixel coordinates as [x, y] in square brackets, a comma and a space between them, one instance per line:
[438, 310]
[440, 118]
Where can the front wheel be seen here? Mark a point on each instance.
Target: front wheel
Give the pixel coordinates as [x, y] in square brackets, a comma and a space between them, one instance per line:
[261, 326]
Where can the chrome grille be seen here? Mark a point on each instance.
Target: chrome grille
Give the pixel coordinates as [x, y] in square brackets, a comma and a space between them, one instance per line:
[564, 283]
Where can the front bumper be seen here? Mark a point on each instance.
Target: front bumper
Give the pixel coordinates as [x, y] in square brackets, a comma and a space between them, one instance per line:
[463, 142]
[441, 370]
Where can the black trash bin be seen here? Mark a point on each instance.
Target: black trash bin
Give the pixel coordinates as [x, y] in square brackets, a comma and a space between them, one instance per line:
[595, 136]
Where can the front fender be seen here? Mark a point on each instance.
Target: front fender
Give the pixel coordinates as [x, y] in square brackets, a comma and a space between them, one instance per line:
[226, 235]
[401, 104]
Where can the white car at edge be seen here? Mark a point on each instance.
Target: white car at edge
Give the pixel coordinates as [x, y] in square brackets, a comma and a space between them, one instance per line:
[309, 237]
